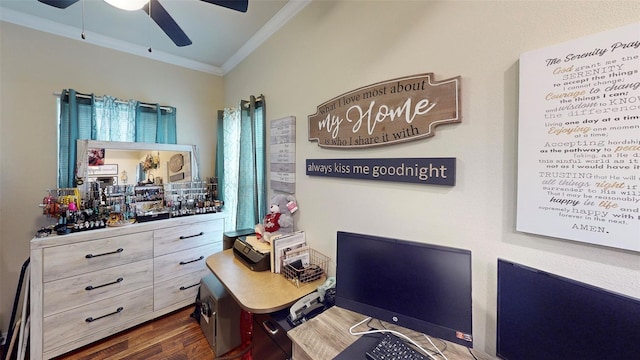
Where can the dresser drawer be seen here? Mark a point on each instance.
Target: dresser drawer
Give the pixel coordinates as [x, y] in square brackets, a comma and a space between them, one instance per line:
[181, 263]
[80, 258]
[178, 289]
[187, 236]
[74, 324]
[68, 293]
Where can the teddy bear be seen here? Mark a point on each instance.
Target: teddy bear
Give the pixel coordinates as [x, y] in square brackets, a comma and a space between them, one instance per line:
[279, 220]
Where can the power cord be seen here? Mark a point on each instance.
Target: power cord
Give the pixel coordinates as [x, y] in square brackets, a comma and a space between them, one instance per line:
[432, 344]
[401, 335]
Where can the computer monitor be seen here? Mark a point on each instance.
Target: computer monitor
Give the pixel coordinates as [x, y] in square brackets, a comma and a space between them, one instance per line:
[423, 287]
[545, 316]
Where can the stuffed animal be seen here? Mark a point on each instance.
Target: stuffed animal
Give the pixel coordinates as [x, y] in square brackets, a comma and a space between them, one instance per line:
[279, 220]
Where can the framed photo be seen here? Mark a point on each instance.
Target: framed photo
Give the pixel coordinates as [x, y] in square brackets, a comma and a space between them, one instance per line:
[96, 157]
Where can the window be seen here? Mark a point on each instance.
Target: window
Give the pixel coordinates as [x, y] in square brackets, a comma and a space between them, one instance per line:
[241, 163]
[86, 116]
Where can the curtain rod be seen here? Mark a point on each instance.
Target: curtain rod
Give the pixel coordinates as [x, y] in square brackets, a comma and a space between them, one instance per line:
[169, 109]
[257, 99]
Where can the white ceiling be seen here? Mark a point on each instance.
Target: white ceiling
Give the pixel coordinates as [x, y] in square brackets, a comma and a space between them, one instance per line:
[220, 37]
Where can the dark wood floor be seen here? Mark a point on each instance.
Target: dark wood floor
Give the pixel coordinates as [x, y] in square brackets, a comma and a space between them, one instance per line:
[175, 336]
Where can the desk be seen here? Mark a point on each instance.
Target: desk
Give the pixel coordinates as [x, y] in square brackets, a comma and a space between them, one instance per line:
[258, 292]
[326, 335]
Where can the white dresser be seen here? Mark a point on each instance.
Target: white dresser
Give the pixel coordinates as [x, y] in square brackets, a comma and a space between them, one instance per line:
[88, 285]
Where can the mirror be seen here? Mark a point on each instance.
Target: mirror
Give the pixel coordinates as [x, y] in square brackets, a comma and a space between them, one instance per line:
[122, 182]
[126, 163]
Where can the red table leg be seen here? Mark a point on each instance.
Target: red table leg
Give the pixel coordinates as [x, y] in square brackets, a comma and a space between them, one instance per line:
[246, 329]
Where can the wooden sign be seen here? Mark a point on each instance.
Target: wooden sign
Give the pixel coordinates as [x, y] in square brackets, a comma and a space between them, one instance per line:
[282, 155]
[389, 112]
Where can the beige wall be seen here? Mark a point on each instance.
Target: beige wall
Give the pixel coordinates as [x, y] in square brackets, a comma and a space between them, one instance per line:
[34, 65]
[327, 49]
[333, 47]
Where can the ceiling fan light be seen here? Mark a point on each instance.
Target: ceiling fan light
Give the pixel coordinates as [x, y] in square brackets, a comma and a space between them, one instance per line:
[129, 5]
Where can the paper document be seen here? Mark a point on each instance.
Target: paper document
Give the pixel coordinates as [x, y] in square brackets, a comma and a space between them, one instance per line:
[285, 243]
[260, 246]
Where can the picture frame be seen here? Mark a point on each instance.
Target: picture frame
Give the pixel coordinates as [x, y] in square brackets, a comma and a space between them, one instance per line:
[101, 170]
[96, 156]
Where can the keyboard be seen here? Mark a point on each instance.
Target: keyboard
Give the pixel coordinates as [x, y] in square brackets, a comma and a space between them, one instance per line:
[391, 347]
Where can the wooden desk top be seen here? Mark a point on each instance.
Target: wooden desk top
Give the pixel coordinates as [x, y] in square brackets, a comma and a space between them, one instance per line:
[326, 335]
[259, 292]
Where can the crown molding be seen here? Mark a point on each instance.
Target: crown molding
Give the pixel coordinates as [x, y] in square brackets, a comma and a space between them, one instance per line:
[277, 21]
[285, 14]
[72, 32]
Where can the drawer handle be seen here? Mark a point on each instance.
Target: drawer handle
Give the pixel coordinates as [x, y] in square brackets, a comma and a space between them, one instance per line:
[91, 319]
[187, 262]
[269, 327]
[89, 256]
[187, 287]
[190, 236]
[90, 287]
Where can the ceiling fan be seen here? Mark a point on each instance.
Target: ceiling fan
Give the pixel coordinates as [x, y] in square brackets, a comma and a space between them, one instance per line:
[159, 14]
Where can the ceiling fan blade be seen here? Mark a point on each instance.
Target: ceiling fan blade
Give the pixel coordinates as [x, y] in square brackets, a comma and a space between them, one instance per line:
[160, 15]
[238, 5]
[60, 4]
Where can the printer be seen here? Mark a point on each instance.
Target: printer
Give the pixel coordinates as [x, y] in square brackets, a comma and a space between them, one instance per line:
[252, 258]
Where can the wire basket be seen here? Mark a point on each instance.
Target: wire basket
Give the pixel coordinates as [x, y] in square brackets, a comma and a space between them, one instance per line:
[304, 267]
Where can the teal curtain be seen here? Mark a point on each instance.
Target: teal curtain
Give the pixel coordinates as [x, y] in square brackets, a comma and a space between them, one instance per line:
[83, 116]
[155, 124]
[166, 133]
[115, 120]
[241, 163]
[76, 122]
[228, 159]
[219, 170]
